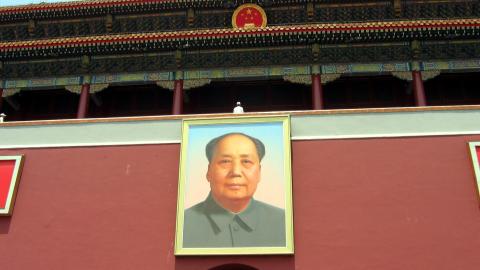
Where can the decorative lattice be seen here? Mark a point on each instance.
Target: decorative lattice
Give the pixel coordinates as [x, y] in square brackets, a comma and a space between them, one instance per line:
[76, 89]
[403, 75]
[209, 19]
[326, 78]
[187, 84]
[286, 15]
[379, 12]
[170, 85]
[301, 79]
[427, 75]
[10, 92]
[289, 56]
[450, 50]
[440, 9]
[94, 88]
[354, 54]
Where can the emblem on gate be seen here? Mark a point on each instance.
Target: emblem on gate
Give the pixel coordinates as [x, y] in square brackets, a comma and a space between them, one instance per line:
[249, 16]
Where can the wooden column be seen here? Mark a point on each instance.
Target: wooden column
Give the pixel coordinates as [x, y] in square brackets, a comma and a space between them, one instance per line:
[1, 99]
[178, 97]
[418, 90]
[84, 99]
[317, 92]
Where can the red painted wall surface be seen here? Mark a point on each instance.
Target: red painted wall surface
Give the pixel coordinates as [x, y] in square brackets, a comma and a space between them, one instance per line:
[7, 168]
[396, 203]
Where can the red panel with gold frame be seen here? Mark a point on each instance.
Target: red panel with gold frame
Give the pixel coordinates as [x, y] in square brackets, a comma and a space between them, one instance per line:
[475, 152]
[249, 16]
[10, 171]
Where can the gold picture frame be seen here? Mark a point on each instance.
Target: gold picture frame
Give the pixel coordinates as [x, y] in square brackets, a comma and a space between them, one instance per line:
[476, 162]
[10, 172]
[214, 175]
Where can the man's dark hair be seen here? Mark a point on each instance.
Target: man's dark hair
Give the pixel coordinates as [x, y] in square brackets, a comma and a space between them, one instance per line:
[212, 144]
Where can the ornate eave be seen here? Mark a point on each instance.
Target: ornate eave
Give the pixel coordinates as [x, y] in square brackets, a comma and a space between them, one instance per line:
[92, 4]
[91, 8]
[267, 36]
[98, 7]
[69, 9]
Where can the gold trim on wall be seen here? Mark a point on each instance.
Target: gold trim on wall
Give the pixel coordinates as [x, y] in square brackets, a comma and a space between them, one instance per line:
[14, 181]
[476, 163]
[226, 125]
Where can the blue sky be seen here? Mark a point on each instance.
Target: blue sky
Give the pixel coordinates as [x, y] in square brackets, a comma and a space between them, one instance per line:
[272, 188]
[26, 2]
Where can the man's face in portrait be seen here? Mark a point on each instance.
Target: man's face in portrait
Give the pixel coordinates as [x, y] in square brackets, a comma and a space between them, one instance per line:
[234, 170]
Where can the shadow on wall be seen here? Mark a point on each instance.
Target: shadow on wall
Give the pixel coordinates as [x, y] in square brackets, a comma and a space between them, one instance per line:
[233, 266]
[266, 262]
[5, 227]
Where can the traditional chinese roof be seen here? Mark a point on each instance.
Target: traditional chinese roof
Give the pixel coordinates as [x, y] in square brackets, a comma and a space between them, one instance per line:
[267, 36]
[96, 7]
[85, 8]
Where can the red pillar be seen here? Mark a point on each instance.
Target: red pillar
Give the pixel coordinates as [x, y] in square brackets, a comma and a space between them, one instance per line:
[317, 92]
[84, 98]
[418, 90]
[1, 99]
[178, 97]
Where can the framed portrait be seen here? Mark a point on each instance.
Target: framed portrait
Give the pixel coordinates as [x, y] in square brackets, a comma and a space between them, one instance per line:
[475, 153]
[235, 187]
[10, 170]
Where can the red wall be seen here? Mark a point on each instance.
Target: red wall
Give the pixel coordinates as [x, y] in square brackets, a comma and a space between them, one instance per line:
[397, 203]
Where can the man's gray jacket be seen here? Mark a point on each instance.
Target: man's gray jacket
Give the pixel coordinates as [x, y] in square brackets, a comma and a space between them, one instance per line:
[209, 225]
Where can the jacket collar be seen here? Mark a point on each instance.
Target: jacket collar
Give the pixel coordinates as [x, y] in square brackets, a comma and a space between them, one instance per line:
[222, 218]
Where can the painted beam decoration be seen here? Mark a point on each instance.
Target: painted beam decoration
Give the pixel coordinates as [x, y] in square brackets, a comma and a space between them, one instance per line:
[10, 171]
[475, 152]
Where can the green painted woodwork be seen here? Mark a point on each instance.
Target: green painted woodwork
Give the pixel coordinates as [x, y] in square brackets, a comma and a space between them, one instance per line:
[363, 68]
[133, 77]
[45, 82]
[451, 65]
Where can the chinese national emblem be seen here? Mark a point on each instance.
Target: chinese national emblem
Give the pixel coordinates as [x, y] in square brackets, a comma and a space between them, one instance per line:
[249, 16]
